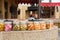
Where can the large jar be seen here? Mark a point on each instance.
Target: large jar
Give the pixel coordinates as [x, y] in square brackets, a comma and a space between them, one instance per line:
[16, 26]
[1, 25]
[30, 25]
[8, 25]
[23, 25]
[37, 25]
[42, 25]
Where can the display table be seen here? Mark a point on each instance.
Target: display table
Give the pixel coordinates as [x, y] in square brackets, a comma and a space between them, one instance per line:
[51, 34]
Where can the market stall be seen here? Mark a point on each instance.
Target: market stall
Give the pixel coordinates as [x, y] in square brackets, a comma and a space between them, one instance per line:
[39, 29]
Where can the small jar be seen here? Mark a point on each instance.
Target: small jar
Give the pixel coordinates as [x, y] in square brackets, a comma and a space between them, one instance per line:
[49, 24]
[42, 25]
[16, 26]
[23, 25]
[8, 25]
[30, 25]
[1, 25]
[37, 25]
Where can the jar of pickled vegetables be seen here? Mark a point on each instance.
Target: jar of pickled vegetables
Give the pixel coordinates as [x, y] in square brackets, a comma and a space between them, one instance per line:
[16, 26]
[23, 25]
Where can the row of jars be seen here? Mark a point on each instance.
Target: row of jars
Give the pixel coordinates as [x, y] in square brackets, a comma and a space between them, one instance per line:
[33, 25]
[25, 25]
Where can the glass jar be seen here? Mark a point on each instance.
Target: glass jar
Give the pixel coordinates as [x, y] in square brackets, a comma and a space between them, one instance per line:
[37, 25]
[49, 24]
[30, 25]
[8, 25]
[23, 25]
[42, 25]
[1, 25]
[16, 26]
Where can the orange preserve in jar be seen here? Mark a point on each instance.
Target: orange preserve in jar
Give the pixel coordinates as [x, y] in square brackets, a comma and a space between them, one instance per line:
[42, 25]
[49, 24]
[30, 25]
[37, 25]
[1, 25]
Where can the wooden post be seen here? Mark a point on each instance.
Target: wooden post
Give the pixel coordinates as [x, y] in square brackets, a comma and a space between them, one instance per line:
[3, 11]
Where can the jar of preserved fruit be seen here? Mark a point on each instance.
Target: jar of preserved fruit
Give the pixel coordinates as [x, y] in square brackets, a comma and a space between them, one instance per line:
[1, 25]
[16, 26]
[30, 25]
[37, 25]
[8, 24]
[49, 24]
[23, 25]
[42, 25]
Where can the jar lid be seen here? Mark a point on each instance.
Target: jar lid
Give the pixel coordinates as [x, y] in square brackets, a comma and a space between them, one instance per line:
[23, 22]
[37, 22]
[1, 21]
[16, 22]
[8, 22]
[42, 21]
